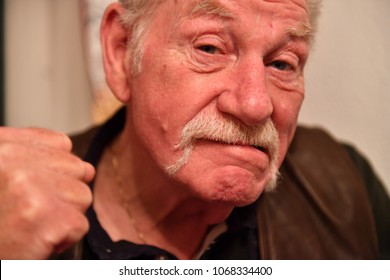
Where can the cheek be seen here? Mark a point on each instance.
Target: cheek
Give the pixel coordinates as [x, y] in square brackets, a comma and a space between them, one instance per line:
[285, 117]
[162, 105]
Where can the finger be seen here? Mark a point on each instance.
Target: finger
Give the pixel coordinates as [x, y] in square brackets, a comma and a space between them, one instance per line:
[89, 172]
[15, 156]
[65, 232]
[73, 192]
[35, 137]
[41, 210]
[32, 195]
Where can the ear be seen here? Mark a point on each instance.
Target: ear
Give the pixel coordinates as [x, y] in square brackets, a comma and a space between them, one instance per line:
[114, 38]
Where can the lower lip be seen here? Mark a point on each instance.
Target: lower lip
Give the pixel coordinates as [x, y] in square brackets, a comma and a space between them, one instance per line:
[241, 149]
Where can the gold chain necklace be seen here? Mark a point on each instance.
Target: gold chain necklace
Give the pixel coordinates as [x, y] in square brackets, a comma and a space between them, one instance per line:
[119, 182]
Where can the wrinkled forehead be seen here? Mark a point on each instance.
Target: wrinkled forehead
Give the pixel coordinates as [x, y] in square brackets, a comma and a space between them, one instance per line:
[293, 11]
[237, 9]
[189, 6]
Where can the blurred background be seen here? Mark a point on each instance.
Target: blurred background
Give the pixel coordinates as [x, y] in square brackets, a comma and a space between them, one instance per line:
[52, 77]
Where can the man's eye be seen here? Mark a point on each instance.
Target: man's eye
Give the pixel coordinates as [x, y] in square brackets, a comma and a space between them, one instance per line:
[208, 49]
[281, 65]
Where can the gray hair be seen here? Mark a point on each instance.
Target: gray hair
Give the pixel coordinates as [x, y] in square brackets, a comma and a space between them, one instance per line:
[140, 12]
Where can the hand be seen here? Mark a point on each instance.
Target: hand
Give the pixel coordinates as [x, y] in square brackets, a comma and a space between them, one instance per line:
[43, 193]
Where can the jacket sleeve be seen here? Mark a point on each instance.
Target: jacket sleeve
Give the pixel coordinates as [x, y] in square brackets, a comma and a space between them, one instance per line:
[379, 200]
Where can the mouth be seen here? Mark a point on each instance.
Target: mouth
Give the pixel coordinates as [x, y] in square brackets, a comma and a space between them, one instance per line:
[262, 149]
[259, 148]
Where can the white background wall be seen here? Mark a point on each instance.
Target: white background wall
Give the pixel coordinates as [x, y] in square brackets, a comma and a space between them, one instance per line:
[348, 76]
[46, 81]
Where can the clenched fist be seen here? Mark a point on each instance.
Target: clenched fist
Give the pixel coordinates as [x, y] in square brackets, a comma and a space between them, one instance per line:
[43, 193]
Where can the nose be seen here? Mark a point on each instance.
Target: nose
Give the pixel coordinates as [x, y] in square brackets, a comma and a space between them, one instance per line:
[247, 97]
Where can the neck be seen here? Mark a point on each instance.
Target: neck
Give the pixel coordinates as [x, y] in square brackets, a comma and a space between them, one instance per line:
[162, 211]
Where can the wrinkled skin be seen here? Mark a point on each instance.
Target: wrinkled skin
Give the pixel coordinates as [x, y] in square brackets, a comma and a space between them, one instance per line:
[248, 67]
[246, 64]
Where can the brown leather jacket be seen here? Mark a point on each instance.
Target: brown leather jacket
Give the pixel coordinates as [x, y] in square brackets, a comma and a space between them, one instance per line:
[320, 210]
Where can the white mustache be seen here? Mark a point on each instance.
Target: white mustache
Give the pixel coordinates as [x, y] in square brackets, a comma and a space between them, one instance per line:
[225, 129]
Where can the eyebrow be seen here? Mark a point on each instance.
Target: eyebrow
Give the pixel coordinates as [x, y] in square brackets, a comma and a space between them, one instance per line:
[302, 31]
[210, 7]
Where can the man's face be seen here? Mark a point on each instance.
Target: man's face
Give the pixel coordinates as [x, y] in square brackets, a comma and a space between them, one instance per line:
[213, 63]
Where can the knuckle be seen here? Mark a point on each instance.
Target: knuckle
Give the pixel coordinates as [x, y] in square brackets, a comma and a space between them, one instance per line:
[21, 178]
[12, 156]
[82, 196]
[88, 197]
[59, 139]
[73, 227]
[18, 180]
[84, 225]
[8, 149]
[64, 141]
[85, 171]
[26, 199]
[78, 227]
[76, 166]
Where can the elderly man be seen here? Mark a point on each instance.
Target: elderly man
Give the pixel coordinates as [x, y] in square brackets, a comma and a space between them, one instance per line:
[188, 168]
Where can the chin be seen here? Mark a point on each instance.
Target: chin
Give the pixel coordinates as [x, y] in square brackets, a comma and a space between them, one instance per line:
[233, 187]
[236, 193]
